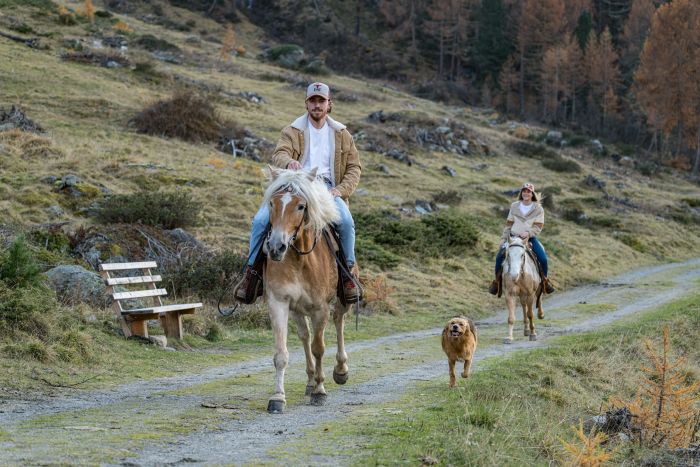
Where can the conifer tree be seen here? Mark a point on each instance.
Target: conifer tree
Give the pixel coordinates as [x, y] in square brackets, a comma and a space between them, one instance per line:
[90, 11]
[555, 85]
[667, 81]
[228, 44]
[403, 16]
[508, 85]
[603, 78]
[493, 46]
[635, 32]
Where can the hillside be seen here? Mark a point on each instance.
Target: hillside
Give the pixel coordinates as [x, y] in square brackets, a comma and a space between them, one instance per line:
[602, 218]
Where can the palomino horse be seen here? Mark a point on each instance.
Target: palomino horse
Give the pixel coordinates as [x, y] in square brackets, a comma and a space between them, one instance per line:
[301, 277]
[521, 279]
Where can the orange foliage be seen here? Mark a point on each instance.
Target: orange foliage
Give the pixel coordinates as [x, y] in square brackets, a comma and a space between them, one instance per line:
[666, 406]
[89, 11]
[377, 293]
[122, 27]
[229, 42]
[589, 453]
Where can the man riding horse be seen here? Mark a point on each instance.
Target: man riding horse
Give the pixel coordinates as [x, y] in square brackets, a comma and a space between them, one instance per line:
[316, 140]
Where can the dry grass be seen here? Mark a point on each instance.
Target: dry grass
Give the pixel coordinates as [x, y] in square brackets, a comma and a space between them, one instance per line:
[87, 109]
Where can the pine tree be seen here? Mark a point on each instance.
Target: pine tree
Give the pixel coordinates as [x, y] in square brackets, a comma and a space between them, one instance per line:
[403, 17]
[493, 46]
[667, 81]
[555, 85]
[508, 85]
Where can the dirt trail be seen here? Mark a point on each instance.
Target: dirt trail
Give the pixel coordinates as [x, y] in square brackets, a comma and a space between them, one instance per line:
[248, 441]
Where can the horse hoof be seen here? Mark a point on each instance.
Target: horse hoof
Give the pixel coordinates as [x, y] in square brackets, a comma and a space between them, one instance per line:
[318, 399]
[340, 378]
[309, 389]
[540, 315]
[275, 406]
[526, 332]
[533, 337]
[507, 340]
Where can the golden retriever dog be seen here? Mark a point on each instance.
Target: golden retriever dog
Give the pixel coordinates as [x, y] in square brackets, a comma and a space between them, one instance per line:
[459, 343]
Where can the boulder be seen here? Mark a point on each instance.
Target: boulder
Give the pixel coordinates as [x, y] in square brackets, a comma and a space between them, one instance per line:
[449, 170]
[74, 284]
[521, 132]
[554, 136]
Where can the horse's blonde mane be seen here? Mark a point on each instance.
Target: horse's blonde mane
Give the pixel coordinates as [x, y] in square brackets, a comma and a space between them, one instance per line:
[321, 208]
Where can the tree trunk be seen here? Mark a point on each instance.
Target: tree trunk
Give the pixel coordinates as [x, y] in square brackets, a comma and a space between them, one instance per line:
[521, 85]
[696, 163]
[358, 8]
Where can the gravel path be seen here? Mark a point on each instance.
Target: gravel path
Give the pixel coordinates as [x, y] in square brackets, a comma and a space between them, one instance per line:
[248, 441]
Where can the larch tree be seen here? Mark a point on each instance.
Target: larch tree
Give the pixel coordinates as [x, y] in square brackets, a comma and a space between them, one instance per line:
[508, 85]
[603, 78]
[555, 85]
[667, 81]
[541, 26]
[634, 33]
[403, 18]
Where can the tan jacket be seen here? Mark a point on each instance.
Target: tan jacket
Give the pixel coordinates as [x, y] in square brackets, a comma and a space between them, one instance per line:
[517, 223]
[345, 160]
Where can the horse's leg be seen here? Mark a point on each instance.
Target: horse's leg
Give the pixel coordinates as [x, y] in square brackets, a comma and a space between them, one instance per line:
[540, 311]
[340, 371]
[303, 333]
[531, 319]
[510, 303]
[319, 319]
[526, 328]
[279, 316]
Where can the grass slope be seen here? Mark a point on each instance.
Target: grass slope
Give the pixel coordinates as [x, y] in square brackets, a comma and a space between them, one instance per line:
[86, 109]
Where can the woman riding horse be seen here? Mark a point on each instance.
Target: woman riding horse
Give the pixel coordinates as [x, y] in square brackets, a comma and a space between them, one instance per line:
[525, 220]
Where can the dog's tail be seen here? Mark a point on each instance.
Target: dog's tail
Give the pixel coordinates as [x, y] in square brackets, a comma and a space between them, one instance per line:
[472, 326]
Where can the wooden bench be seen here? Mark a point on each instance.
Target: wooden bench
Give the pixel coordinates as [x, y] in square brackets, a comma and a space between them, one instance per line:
[133, 320]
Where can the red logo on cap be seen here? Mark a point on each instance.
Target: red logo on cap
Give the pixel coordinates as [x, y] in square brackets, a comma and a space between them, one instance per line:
[317, 87]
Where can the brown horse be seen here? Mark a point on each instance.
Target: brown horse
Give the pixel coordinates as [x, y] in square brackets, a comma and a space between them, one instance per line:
[521, 279]
[301, 277]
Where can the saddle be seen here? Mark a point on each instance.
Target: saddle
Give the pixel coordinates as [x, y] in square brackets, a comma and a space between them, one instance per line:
[533, 256]
[255, 285]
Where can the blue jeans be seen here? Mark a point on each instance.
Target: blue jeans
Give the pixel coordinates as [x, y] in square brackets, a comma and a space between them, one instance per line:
[536, 247]
[345, 229]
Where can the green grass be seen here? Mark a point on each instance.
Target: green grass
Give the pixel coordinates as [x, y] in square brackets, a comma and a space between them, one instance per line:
[515, 409]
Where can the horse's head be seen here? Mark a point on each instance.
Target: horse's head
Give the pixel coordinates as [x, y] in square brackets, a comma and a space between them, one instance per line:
[515, 256]
[297, 202]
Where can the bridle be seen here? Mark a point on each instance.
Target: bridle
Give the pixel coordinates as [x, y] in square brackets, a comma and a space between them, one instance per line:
[304, 218]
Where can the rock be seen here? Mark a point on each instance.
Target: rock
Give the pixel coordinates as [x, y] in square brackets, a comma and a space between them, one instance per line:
[361, 192]
[424, 207]
[50, 179]
[594, 182]
[597, 146]
[383, 169]
[627, 161]
[74, 284]
[167, 57]
[377, 117]
[399, 155]
[443, 129]
[521, 132]
[449, 170]
[554, 136]
[180, 236]
[68, 181]
[160, 341]
[464, 145]
[55, 211]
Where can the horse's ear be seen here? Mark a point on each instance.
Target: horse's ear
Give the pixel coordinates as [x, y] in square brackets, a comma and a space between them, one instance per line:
[271, 172]
[312, 174]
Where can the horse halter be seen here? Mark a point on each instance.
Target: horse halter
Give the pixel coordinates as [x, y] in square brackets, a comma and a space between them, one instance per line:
[304, 218]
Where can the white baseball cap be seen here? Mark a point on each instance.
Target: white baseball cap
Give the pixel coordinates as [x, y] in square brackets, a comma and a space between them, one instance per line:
[318, 89]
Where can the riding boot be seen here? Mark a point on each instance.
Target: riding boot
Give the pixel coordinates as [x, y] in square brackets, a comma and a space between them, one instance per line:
[351, 290]
[495, 285]
[241, 291]
[548, 287]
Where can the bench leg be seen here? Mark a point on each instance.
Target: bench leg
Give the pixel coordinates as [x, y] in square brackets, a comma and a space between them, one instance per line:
[138, 328]
[172, 324]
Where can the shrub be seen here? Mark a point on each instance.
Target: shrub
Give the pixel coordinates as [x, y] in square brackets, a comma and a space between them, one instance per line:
[606, 221]
[450, 197]
[205, 274]
[185, 115]
[46, 5]
[165, 210]
[439, 234]
[534, 151]
[18, 266]
[633, 242]
[153, 43]
[560, 164]
[96, 57]
[25, 309]
[575, 215]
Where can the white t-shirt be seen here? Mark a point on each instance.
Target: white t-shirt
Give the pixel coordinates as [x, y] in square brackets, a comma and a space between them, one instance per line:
[525, 209]
[319, 150]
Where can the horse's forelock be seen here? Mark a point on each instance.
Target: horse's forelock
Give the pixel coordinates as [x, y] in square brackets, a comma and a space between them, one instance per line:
[321, 208]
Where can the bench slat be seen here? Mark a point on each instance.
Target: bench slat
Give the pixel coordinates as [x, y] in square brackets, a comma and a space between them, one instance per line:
[134, 280]
[162, 309]
[126, 266]
[139, 294]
